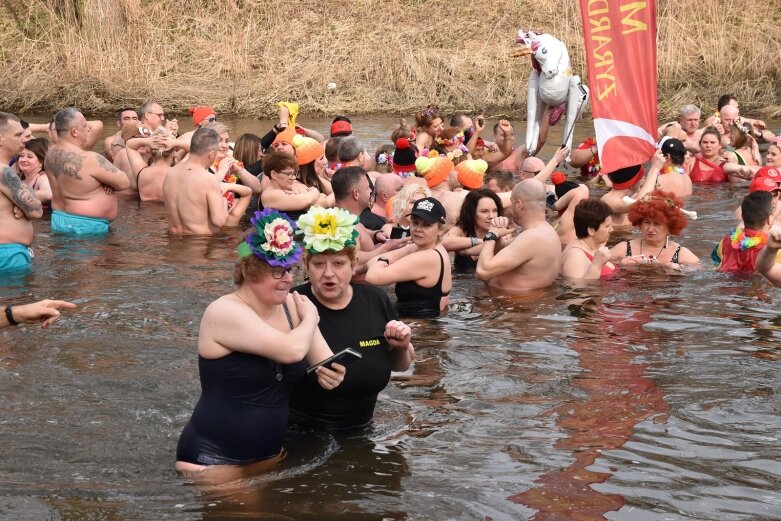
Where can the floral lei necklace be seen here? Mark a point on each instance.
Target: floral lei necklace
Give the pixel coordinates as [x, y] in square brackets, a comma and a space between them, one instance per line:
[672, 168]
[740, 240]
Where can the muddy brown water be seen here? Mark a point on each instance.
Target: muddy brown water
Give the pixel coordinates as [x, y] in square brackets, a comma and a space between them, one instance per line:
[652, 396]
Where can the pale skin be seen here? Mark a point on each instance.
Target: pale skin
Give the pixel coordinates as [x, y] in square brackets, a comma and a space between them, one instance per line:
[150, 186]
[83, 183]
[44, 312]
[766, 260]
[530, 261]
[566, 223]
[680, 185]
[486, 214]
[252, 320]
[193, 198]
[415, 262]
[576, 265]
[654, 247]
[330, 275]
[114, 143]
[31, 170]
[425, 138]
[18, 203]
[615, 198]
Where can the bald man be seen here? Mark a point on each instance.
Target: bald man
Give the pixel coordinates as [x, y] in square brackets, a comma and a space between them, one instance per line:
[533, 258]
[385, 187]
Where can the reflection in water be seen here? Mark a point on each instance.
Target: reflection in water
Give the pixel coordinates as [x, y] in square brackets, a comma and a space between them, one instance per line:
[618, 395]
[532, 399]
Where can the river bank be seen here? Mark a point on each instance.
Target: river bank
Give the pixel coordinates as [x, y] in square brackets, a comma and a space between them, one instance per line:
[384, 57]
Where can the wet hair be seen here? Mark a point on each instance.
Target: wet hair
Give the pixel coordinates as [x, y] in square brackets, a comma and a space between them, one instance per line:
[308, 176]
[246, 149]
[659, 206]
[724, 100]
[39, 147]
[466, 218]
[278, 161]
[402, 199]
[332, 149]
[5, 117]
[218, 126]
[590, 213]
[713, 132]
[345, 179]
[756, 208]
[204, 140]
[64, 119]
[504, 178]
[427, 117]
[349, 149]
[401, 131]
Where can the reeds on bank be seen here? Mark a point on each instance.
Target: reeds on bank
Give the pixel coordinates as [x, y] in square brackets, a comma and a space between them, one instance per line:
[385, 56]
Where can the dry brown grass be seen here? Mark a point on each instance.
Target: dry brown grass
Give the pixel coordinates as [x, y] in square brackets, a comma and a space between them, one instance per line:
[386, 56]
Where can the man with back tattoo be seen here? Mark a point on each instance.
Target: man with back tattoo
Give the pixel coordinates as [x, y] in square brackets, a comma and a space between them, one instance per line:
[83, 183]
[18, 203]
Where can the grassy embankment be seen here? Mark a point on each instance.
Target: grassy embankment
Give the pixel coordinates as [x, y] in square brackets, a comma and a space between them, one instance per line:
[386, 56]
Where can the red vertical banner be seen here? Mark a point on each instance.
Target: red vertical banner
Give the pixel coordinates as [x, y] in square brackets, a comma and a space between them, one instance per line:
[620, 38]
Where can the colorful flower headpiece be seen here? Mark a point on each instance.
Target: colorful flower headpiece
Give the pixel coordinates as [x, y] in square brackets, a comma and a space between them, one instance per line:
[272, 240]
[777, 141]
[328, 230]
[458, 138]
[384, 158]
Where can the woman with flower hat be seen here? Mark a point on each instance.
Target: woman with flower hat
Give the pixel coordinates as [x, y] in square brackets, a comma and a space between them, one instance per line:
[421, 270]
[357, 316]
[430, 125]
[253, 347]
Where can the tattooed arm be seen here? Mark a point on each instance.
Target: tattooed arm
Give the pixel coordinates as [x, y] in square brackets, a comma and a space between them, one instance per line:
[20, 194]
[110, 175]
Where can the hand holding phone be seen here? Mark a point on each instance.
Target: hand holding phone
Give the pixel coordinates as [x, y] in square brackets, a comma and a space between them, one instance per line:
[344, 357]
[399, 232]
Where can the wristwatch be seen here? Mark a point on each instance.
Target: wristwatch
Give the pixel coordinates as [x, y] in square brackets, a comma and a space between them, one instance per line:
[490, 236]
[384, 259]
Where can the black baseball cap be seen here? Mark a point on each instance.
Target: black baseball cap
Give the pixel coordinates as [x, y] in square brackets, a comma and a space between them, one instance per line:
[430, 210]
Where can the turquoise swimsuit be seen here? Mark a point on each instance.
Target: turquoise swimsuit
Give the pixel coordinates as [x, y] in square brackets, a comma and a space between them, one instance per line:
[15, 257]
[64, 222]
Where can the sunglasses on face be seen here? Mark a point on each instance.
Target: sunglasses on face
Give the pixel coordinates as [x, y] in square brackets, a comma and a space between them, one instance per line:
[279, 272]
[211, 119]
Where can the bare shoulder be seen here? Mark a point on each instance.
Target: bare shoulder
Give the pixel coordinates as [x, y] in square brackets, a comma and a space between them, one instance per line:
[61, 161]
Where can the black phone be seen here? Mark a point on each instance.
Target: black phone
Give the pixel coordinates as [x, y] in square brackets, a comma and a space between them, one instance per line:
[344, 357]
[399, 232]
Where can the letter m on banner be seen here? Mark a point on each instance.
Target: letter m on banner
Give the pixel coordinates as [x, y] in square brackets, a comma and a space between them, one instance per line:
[620, 38]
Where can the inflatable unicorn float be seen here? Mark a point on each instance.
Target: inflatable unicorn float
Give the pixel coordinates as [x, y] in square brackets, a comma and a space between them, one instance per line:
[551, 84]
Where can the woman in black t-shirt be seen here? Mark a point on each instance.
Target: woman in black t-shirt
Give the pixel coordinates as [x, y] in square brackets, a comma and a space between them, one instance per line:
[356, 316]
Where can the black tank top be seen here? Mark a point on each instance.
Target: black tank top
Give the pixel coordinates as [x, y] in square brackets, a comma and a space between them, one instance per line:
[413, 300]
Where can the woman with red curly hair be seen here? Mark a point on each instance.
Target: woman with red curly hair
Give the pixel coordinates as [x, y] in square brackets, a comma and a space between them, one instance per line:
[658, 215]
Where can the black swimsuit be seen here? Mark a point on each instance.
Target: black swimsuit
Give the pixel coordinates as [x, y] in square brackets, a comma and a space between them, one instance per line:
[674, 260]
[413, 300]
[242, 414]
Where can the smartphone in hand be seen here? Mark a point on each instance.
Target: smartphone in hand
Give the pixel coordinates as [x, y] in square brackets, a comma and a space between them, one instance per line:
[399, 232]
[344, 357]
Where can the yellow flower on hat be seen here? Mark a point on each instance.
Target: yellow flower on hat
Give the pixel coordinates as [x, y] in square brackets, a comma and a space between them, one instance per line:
[331, 229]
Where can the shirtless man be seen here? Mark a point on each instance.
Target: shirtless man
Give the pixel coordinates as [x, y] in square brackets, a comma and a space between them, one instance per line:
[152, 116]
[18, 203]
[83, 183]
[624, 184]
[114, 143]
[193, 196]
[506, 158]
[533, 258]
[689, 121]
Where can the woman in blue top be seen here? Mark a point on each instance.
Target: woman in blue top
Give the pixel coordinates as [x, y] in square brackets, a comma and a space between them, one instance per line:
[253, 347]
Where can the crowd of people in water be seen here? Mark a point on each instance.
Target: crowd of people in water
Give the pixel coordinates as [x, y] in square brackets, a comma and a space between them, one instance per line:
[432, 200]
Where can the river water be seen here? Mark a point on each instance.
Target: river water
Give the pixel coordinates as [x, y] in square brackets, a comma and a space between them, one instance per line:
[654, 396]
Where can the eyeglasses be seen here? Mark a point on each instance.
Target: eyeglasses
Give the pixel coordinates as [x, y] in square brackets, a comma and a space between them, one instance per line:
[161, 115]
[289, 173]
[211, 119]
[279, 272]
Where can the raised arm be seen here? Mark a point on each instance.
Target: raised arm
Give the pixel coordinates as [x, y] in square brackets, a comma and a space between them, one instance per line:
[20, 194]
[543, 175]
[766, 260]
[95, 128]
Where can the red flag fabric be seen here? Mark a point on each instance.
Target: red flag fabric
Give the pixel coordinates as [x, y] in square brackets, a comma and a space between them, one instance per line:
[620, 38]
